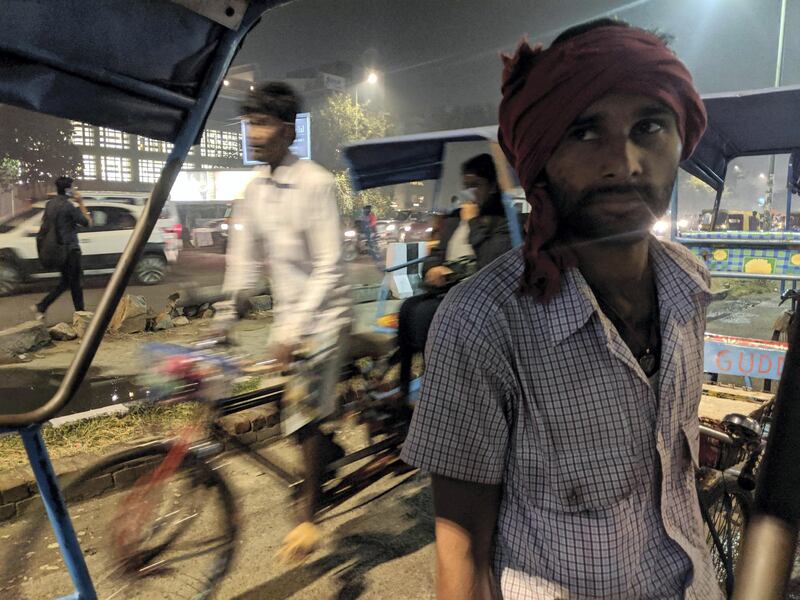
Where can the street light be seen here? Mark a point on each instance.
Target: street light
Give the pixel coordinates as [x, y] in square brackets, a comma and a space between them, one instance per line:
[372, 79]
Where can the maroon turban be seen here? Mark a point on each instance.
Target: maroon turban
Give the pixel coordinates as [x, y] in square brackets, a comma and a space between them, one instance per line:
[545, 91]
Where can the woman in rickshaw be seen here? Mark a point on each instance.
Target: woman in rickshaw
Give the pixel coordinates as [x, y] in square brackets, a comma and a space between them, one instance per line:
[471, 236]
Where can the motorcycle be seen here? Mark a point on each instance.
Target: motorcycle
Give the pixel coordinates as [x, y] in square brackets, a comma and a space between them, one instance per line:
[355, 244]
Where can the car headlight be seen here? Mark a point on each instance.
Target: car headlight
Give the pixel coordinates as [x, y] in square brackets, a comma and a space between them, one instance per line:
[391, 227]
[429, 230]
[238, 226]
[349, 233]
[407, 228]
[224, 227]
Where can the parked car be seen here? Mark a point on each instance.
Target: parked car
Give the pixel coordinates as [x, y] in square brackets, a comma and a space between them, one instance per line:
[418, 228]
[219, 229]
[388, 231]
[168, 223]
[101, 244]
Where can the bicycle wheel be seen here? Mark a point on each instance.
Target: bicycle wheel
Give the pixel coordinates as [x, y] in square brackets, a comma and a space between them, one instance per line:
[183, 550]
[727, 511]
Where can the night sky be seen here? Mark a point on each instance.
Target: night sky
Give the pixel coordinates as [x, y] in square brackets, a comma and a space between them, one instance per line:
[445, 52]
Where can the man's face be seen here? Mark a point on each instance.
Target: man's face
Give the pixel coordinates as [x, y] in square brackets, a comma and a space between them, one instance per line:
[612, 175]
[482, 186]
[269, 138]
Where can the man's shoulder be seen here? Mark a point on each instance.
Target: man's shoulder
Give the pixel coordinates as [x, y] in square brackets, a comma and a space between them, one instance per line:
[313, 173]
[489, 291]
[685, 259]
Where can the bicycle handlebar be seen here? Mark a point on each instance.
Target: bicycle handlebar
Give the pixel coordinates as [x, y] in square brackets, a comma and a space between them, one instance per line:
[790, 294]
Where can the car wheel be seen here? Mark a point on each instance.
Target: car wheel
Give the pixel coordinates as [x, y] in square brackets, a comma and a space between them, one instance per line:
[151, 270]
[10, 279]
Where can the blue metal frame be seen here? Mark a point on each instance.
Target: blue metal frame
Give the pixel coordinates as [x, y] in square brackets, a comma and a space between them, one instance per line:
[513, 220]
[56, 508]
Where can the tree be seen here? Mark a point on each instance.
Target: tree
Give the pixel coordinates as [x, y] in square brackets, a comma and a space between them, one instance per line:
[350, 202]
[340, 122]
[9, 173]
[40, 144]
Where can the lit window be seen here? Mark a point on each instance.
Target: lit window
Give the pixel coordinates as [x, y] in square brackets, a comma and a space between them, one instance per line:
[211, 143]
[89, 166]
[82, 134]
[147, 145]
[115, 168]
[231, 144]
[111, 138]
[149, 170]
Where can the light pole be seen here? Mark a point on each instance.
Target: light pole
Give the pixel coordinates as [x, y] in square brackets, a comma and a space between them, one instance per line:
[778, 75]
[371, 79]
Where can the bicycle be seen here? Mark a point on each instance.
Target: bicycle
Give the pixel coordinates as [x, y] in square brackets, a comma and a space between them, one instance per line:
[173, 534]
[725, 482]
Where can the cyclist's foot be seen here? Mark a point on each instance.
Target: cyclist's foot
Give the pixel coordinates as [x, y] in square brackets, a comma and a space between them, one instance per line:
[300, 543]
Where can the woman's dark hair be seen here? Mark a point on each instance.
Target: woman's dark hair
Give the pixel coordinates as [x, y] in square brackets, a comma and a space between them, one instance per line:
[274, 98]
[482, 166]
[63, 183]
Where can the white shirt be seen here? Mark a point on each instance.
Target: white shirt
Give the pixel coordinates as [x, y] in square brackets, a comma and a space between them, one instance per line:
[290, 226]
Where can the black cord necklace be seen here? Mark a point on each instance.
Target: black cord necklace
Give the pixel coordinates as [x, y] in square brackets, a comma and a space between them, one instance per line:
[648, 351]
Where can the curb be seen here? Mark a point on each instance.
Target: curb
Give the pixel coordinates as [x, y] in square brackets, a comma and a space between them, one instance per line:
[18, 489]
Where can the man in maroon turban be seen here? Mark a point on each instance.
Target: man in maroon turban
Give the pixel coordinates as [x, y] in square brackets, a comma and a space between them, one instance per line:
[558, 415]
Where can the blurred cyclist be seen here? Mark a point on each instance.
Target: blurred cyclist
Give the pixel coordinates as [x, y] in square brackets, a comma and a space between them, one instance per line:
[289, 216]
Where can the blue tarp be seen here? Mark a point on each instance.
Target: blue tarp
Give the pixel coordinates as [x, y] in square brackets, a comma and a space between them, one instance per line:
[133, 65]
[747, 123]
[418, 157]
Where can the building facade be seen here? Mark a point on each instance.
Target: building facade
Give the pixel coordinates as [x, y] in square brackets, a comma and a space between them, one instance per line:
[117, 161]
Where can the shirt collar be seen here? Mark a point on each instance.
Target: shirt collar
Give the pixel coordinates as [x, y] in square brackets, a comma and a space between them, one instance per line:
[682, 292]
[281, 170]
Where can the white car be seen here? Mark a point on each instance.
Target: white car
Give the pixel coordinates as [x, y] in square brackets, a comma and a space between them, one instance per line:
[101, 245]
[168, 223]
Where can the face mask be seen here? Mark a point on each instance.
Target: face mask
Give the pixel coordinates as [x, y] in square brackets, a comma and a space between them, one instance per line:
[466, 196]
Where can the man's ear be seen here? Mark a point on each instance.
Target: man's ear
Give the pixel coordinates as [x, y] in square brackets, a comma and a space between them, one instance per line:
[291, 133]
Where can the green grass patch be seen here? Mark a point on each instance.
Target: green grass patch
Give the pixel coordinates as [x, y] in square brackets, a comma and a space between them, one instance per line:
[94, 436]
[741, 288]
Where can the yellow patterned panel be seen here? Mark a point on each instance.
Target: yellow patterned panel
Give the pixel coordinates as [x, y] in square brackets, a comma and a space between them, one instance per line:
[758, 265]
[720, 255]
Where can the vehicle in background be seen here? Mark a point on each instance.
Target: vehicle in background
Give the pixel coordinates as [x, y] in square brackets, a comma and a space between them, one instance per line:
[168, 223]
[388, 231]
[199, 218]
[220, 229]
[417, 231]
[733, 220]
[101, 245]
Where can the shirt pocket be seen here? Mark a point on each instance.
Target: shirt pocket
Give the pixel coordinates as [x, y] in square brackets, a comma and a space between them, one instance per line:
[587, 481]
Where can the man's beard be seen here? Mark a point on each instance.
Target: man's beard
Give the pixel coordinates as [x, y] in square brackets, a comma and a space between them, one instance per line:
[581, 216]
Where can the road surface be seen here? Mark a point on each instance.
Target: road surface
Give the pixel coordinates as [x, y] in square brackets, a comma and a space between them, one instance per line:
[193, 269]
